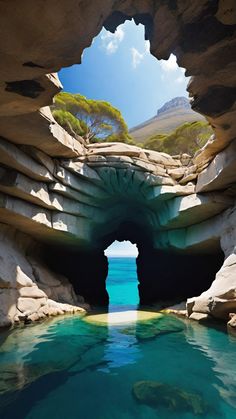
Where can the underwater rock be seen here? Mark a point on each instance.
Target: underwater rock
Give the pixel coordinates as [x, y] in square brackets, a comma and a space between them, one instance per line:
[156, 394]
[153, 329]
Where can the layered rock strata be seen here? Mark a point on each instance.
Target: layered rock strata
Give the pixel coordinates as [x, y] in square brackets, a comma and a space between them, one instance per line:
[69, 198]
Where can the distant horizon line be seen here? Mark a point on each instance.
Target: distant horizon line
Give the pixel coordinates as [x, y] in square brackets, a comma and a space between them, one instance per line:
[121, 256]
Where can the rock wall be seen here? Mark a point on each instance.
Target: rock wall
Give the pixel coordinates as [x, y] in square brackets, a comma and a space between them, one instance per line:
[29, 291]
[62, 194]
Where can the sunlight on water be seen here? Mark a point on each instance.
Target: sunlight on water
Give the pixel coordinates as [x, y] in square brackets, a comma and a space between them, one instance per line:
[121, 317]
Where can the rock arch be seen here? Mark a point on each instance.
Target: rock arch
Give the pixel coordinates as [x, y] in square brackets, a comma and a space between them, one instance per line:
[54, 190]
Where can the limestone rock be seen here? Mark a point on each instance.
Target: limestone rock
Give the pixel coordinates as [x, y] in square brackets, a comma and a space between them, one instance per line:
[7, 307]
[68, 192]
[56, 286]
[16, 159]
[162, 158]
[31, 292]
[69, 179]
[15, 272]
[34, 317]
[191, 209]
[40, 130]
[220, 299]
[81, 169]
[20, 186]
[199, 316]
[23, 215]
[176, 173]
[188, 178]
[185, 159]
[11, 103]
[116, 149]
[232, 321]
[22, 280]
[30, 304]
[40, 157]
[221, 171]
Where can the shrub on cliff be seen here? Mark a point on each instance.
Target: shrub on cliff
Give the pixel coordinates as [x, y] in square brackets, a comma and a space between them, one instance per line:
[187, 138]
[94, 120]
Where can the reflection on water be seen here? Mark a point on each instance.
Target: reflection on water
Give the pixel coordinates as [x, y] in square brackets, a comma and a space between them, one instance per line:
[66, 366]
[120, 350]
[223, 352]
[162, 368]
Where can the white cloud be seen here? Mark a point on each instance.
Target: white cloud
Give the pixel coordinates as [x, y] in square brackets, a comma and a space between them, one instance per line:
[111, 41]
[180, 79]
[170, 64]
[121, 249]
[171, 72]
[137, 57]
[147, 46]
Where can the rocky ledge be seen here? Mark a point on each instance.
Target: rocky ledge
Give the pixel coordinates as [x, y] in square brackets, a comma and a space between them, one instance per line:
[63, 202]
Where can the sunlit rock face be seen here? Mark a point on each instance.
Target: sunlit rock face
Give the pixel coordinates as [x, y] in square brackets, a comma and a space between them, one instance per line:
[73, 199]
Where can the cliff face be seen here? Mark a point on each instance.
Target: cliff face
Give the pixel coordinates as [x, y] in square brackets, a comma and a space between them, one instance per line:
[177, 102]
[59, 197]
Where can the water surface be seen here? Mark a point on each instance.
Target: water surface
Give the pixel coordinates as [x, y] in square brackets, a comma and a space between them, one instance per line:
[69, 368]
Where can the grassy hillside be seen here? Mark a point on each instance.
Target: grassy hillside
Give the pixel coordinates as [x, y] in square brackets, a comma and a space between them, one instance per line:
[187, 138]
[164, 123]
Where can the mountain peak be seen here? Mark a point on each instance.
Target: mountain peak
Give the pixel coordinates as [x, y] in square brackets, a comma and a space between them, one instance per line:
[176, 102]
[173, 113]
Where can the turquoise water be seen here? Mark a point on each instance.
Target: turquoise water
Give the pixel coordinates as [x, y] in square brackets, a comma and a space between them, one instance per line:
[122, 284]
[68, 368]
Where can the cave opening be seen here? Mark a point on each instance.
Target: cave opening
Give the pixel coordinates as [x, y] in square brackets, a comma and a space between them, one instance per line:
[122, 281]
[164, 277]
[123, 59]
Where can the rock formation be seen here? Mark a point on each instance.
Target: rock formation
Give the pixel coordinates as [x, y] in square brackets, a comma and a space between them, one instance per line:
[177, 102]
[62, 203]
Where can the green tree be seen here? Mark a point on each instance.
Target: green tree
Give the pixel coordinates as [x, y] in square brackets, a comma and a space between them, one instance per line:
[94, 120]
[187, 138]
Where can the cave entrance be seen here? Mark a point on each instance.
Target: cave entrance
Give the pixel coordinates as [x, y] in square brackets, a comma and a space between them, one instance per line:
[123, 60]
[122, 280]
[163, 277]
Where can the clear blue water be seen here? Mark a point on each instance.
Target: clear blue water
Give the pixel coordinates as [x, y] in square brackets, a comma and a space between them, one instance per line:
[67, 368]
[122, 284]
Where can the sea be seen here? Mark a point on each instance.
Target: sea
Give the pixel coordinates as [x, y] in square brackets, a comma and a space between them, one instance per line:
[105, 366]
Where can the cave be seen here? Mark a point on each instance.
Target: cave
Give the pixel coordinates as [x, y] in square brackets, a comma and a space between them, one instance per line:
[164, 277]
[72, 199]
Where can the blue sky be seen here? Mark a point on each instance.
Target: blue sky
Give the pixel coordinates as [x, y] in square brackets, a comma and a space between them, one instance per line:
[120, 69]
[121, 249]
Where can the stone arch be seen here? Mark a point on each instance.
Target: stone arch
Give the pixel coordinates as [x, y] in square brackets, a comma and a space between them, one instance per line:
[54, 189]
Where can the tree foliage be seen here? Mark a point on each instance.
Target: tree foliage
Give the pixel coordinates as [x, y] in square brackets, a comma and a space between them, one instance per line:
[94, 120]
[187, 138]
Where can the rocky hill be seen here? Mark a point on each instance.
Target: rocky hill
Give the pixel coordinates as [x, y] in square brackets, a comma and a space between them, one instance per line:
[172, 114]
[177, 102]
